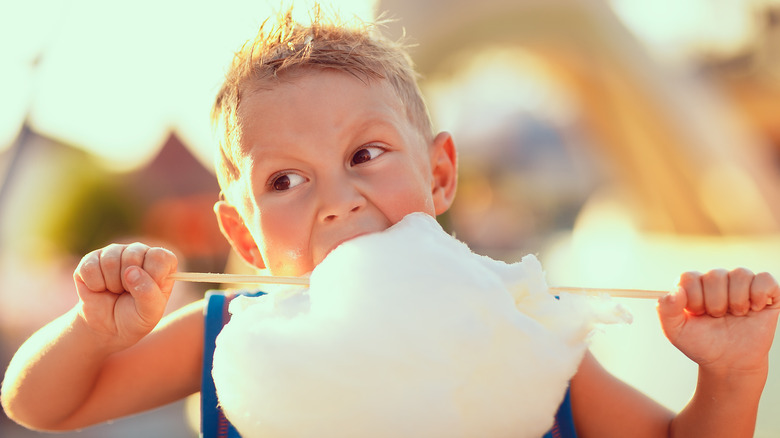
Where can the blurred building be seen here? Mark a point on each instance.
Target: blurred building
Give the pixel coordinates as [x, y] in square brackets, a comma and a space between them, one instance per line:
[692, 145]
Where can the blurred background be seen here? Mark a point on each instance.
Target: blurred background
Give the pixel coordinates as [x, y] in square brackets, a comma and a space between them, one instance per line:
[621, 141]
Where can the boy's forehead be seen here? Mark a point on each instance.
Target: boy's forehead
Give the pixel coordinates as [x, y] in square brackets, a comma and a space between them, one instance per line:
[311, 80]
[306, 96]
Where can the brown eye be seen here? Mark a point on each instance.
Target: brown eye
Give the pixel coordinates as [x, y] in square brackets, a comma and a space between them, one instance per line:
[366, 154]
[286, 182]
[282, 183]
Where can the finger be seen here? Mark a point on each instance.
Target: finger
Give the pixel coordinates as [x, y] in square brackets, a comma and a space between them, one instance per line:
[671, 312]
[133, 255]
[89, 274]
[149, 301]
[160, 263]
[764, 291]
[690, 282]
[110, 265]
[715, 289]
[739, 291]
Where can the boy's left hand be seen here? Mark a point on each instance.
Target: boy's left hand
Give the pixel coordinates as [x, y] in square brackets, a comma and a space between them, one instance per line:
[723, 320]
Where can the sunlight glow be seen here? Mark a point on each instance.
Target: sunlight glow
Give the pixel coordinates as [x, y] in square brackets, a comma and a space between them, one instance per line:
[24, 34]
[677, 29]
[116, 78]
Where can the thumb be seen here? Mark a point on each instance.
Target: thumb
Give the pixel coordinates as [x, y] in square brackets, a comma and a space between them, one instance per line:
[671, 312]
[149, 300]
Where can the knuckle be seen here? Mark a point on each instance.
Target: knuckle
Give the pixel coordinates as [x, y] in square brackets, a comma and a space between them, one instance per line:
[717, 274]
[690, 277]
[89, 272]
[134, 253]
[108, 261]
[740, 273]
[114, 247]
[159, 255]
[766, 278]
[88, 262]
[137, 249]
[765, 288]
[155, 256]
[715, 279]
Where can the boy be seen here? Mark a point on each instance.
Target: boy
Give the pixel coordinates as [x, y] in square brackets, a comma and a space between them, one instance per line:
[326, 138]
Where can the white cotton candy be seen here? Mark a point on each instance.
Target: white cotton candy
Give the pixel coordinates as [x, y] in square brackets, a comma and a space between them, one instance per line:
[404, 333]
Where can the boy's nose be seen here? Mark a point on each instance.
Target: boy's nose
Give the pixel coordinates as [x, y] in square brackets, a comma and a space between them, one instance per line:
[338, 199]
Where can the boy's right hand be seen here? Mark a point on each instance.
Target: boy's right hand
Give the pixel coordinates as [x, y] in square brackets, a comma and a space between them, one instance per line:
[123, 291]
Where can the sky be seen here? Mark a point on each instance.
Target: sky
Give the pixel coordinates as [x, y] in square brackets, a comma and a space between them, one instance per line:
[115, 78]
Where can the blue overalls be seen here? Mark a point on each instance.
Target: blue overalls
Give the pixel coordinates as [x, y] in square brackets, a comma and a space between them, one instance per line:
[213, 423]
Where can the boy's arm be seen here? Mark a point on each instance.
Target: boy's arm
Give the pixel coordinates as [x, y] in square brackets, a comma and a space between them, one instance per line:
[88, 366]
[604, 406]
[722, 322]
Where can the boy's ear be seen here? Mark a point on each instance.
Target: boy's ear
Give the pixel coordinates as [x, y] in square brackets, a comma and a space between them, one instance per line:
[236, 232]
[444, 165]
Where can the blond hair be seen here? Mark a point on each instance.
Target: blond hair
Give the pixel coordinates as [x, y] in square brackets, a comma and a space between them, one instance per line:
[355, 48]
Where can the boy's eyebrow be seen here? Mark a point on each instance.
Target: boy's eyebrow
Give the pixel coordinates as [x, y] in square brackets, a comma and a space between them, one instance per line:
[270, 151]
[381, 118]
[376, 122]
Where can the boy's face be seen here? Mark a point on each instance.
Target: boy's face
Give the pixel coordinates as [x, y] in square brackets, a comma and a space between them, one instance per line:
[330, 158]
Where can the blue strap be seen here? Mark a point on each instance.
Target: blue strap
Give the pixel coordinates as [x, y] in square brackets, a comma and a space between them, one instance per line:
[564, 421]
[211, 415]
[213, 423]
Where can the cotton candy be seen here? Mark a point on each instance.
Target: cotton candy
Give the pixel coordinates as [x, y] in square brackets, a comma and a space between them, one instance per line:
[405, 333]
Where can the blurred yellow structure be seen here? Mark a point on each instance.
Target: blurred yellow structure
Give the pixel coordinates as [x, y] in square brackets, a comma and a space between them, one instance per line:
[670, 135]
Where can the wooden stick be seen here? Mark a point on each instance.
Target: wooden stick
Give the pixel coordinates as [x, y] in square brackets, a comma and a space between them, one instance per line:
[617, 293]
[199, 277]
[304, 281]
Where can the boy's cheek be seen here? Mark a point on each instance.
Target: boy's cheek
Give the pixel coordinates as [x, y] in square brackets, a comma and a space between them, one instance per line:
[410, 198]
